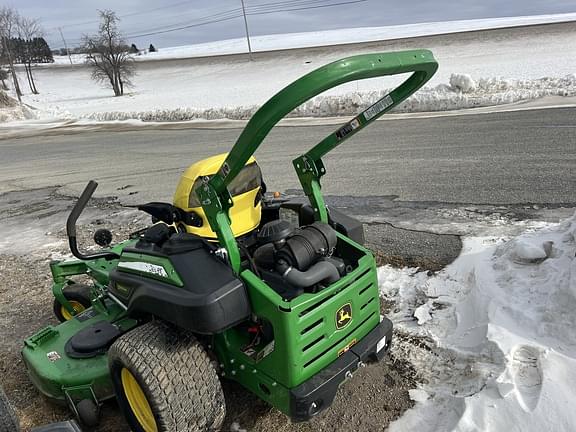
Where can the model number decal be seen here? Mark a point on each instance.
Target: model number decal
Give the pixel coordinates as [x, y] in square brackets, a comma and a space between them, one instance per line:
[53, 356]
[378, 107]
[347, 128]
[347, 347]
[154, 269]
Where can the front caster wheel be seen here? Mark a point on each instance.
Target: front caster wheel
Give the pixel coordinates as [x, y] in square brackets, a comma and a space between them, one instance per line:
[79, 297]
[164, 381]
[88, 412]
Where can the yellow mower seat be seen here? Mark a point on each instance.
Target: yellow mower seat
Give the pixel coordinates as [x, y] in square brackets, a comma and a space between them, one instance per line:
[245, 188]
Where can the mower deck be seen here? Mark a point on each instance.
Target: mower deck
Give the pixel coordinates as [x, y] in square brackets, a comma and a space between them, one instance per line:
[63, 378]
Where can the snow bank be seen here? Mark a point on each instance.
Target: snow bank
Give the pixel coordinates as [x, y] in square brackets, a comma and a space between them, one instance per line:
[463, 92]
[11, 110]
[491, 336]
[462, 82]
[6, 101]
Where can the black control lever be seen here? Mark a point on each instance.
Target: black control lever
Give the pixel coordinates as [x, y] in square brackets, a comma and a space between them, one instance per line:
[169, 214]
[71, 225]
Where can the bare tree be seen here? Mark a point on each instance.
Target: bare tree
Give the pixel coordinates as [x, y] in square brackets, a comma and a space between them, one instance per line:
[3, 78]
[108, 54]
[8, 23]
[28, 30]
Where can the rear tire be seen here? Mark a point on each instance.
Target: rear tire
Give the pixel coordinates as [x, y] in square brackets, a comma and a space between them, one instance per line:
[164, 381]
[78, 295]
[8, 420]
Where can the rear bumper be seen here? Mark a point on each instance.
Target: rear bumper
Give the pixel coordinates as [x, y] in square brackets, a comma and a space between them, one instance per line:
[318, 392]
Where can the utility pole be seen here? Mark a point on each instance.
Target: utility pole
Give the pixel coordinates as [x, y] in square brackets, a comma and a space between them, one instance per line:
[6, 42]
[247, 32]
[65, 45]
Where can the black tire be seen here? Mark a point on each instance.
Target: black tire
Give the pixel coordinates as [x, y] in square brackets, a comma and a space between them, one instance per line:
[175, 374]
[88, 412]
[8, 420]
[76, 292]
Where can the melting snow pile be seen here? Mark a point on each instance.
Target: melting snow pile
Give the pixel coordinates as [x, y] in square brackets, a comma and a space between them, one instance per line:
[10, 109]
[462, 82]
[495, 335]
[463, 92]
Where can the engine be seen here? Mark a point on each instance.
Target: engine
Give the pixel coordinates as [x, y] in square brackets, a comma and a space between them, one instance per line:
[299, 258]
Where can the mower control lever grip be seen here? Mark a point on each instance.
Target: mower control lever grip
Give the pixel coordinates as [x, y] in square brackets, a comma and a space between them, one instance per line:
[71, 225]
[79, 207]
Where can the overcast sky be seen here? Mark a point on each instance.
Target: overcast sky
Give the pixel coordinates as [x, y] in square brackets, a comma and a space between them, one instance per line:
[146, 16]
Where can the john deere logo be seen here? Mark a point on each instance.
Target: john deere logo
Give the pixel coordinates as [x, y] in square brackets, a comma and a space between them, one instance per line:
[343, 316]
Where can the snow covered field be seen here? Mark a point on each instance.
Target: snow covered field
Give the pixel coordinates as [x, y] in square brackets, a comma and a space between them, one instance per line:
[499, 350]
[339, 37]
[476, 69]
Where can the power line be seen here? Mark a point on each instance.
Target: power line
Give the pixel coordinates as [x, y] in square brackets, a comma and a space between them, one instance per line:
[272, 5]
[312, 7]
[228, 15]
[129, 14]
[155, 9]
[231, 17]
[224, 15]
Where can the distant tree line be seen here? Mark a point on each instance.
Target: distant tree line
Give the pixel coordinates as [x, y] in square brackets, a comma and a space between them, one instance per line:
[134, 49]
[21, 42]
[29, 52]
[83, 50]
[34, 50]
[74, 50]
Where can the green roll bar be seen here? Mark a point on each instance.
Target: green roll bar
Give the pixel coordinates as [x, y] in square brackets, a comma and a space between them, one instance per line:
[214, 195]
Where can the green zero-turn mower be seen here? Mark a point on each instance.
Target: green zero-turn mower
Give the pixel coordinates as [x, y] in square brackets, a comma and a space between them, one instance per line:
[227, 283]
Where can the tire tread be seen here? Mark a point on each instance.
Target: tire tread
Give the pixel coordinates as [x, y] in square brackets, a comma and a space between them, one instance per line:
[178, 377]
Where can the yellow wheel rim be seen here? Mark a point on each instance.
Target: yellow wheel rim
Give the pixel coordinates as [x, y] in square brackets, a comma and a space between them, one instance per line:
[137, 401]
[77, 306]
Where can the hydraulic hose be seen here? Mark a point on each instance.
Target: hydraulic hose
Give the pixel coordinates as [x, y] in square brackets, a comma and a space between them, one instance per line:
[321, 271]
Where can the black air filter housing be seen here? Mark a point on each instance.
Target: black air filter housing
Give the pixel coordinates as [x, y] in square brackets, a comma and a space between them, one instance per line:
[274, 231]
[308, 245]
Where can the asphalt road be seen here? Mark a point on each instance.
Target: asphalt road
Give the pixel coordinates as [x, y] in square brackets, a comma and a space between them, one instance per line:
[513, 157]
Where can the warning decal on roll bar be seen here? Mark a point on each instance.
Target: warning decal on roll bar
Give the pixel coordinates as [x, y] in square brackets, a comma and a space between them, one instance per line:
[378, 107]
[347, 129]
